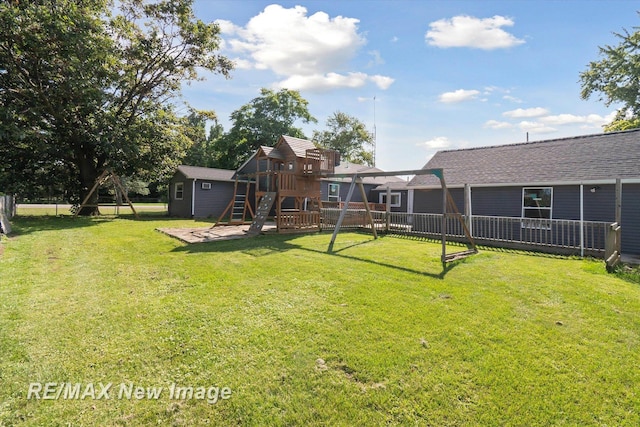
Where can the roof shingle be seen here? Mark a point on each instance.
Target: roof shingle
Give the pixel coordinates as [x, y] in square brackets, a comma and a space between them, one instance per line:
[583, 158]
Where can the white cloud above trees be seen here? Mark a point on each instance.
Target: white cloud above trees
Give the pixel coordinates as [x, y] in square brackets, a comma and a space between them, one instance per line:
[468, 31]
[307, 52]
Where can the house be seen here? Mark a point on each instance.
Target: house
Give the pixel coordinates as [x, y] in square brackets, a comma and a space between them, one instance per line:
[334, 189]
[544, 185]
[199, 192]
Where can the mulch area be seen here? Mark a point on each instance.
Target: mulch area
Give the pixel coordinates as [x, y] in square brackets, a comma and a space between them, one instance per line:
[208, 234]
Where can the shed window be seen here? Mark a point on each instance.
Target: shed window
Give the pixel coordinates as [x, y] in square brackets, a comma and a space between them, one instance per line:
[206, 186]
[396, 200]
[178, 190]
[334, 192]
[537, 204]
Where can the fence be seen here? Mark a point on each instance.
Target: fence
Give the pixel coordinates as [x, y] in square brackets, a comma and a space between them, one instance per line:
[547, 235]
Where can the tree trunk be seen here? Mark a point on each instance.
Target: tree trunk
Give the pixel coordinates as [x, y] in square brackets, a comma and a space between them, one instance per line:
[88, 176]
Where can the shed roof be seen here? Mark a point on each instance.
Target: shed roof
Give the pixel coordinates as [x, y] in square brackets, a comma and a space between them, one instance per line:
[603, 156]
[209, 174]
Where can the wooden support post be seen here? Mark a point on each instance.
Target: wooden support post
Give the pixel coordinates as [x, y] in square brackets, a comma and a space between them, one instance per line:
[363, 194]
[119, 186]
[342, 214]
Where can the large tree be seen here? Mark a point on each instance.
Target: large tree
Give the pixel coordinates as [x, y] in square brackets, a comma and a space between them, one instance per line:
[86, 86]
[349, 136]
[615, 79]
[261, 122]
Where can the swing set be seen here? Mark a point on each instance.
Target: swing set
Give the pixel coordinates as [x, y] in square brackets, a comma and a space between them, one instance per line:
[449, 209]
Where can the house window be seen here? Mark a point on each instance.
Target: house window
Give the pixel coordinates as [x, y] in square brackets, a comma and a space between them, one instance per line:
[396, 200]
[537, 204]
[206, 186]
[178, 190]
[334, 192]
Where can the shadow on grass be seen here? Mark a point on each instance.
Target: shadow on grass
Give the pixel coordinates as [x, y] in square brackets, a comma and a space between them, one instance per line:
[273, 243]
[27, 224]
[22, 225]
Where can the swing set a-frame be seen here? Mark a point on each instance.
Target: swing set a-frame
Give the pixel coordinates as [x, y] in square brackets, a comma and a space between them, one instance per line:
[107, 176]
[449, 209]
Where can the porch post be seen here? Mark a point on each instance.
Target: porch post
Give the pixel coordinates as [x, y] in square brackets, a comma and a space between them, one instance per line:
[619, 201]
[582, 220]
[388, 209]
[467, 208]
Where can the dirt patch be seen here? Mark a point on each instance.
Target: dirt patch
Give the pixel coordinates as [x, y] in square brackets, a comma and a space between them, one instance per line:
[208, 234]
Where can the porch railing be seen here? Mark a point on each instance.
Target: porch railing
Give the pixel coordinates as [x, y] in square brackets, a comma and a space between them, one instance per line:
[549, 235]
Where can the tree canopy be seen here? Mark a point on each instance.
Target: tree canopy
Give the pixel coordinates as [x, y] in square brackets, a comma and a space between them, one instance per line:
[349, 136]
[86, 86]
[616, 79]
[261, 122]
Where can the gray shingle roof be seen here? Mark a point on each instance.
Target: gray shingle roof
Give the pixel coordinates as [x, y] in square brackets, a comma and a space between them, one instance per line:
[603, 156]
[209, 174]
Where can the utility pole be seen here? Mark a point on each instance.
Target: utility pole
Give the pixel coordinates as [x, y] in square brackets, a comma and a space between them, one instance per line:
[374, 131]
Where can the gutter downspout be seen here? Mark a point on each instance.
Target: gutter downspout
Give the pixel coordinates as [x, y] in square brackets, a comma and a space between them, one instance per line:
[193, 199]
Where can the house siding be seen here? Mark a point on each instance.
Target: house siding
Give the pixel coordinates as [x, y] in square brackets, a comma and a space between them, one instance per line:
[630, 218]
[430, 201]
[212, 203]
[500, 201]
[180, 208]
[344, 191]
[404, 199]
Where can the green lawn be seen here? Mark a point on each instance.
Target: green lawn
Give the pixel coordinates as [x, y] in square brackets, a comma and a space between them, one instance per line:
[375, 333]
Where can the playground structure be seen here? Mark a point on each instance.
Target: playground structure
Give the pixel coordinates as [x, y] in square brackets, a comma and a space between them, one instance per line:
[106, 177]
[288, 177]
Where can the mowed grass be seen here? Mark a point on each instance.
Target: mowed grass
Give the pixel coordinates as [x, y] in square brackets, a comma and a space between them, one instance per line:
[375, 333]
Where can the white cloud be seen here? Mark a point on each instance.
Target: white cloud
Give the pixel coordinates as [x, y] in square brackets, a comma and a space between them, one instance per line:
[325, 82]
[383, 82]
[468, 31]
[535, 127]
[376, 58]
[309, 51]
[568, 119]
[526, 112]
[494, 124]
[436, 143]
[512, 99]
[458, 96]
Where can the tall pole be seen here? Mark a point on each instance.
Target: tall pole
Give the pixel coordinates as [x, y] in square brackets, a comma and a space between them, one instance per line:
[374, 131]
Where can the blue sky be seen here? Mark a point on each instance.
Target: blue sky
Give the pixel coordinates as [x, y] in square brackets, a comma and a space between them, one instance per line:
[444, 74]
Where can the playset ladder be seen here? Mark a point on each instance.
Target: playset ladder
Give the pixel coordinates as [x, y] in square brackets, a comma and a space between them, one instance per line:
[264, 207]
